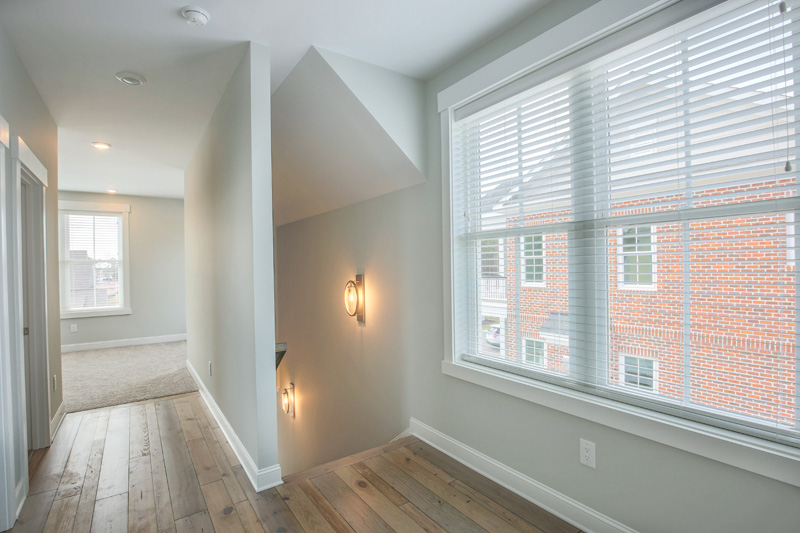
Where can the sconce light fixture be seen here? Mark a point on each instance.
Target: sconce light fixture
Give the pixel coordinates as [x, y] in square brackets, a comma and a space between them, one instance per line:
[288, 400]
[354, 297]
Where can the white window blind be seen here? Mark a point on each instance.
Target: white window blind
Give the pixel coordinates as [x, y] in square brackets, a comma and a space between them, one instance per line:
[92, 261]
[680, 147]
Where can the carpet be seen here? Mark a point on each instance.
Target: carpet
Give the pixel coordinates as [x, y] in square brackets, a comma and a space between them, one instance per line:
[113, 376]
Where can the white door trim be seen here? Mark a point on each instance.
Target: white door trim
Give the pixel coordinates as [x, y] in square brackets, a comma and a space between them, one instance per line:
[22, 167]
[8, 496]
[23, 175]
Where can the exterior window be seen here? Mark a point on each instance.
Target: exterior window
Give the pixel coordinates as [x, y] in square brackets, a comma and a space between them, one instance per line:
[637, 259]
[490, 258]
[638, 372]
[647, 157]
[533, 258]
[93, 259]
[535, 352]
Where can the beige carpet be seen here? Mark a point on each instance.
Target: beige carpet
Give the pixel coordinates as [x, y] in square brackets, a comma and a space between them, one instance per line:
[113, 376]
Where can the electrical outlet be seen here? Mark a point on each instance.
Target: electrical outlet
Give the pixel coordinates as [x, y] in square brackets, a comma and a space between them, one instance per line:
[73, 328]
[587, 454]
[209, 368]
[55, 382]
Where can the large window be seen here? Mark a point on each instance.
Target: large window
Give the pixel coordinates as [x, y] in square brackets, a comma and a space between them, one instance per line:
[93, 259]
[678, 150]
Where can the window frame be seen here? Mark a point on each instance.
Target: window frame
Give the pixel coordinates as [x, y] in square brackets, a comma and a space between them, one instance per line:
[98, 209]
[556, 51]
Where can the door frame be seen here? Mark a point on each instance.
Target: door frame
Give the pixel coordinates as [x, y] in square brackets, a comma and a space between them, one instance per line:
[18, 166]
[8, 500]
[28, 171]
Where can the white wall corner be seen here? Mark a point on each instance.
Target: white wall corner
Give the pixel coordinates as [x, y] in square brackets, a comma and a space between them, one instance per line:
[574, 512]
[55, 423]
[395, 100]
[269, 477]
[66, 348]
[263, 479]
[361, 142]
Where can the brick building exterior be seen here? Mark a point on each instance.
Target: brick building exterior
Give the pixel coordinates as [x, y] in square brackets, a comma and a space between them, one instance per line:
[700, 311]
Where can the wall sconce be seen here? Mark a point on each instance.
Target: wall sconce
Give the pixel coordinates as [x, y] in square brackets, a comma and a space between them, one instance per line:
[354, 298]
[288, 400]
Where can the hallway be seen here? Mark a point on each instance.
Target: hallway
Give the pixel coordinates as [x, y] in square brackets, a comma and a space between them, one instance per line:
[165, 465]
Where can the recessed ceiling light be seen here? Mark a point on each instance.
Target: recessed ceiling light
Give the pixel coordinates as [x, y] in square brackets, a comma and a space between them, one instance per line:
[131, 78]
[111, 191]
[195, 16]
[101, 145]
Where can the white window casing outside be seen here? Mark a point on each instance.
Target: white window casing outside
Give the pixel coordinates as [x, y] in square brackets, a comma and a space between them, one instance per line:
[94, 262]
[636, 260]
[535, 352]
[638, 372]
[567, 155]
[533, 260]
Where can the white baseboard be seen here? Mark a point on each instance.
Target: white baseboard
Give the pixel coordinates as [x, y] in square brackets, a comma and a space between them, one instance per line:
[20, 495]
[65, 348]
[55, 423]
[263, 479]
[576, 513]
[405, 433]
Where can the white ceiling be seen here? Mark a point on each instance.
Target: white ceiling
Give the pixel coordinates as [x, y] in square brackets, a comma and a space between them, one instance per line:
[73, 48]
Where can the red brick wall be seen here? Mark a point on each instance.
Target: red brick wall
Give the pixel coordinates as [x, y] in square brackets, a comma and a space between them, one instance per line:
[742, 334]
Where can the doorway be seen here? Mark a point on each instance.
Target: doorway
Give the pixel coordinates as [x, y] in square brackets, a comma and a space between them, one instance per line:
[32, 307]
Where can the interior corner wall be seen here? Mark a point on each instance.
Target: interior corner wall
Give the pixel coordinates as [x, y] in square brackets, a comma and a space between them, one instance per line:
[29, 118]
[230, 307]
[157, 274]
[357, 385]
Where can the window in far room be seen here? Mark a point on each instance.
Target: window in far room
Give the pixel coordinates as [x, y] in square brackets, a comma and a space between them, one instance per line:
[93, 255]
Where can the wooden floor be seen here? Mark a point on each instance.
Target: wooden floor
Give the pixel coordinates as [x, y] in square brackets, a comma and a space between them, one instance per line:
[165, 465]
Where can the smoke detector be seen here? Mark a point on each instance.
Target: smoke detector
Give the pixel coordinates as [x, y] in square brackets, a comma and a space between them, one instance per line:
[195, 16]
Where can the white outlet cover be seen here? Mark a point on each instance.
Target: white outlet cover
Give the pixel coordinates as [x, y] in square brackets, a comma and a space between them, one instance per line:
[73, 328]
[587, 453]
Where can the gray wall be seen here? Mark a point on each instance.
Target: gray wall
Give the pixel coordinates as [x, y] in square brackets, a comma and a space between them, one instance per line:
[157, 273]
[365, 381]
[28, 117]
[229, 277]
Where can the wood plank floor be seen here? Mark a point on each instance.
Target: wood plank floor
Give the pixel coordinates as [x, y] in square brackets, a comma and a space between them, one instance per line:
[165, 466]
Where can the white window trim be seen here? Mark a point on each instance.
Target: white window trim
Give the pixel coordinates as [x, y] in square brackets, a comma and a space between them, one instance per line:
[523, 257]
[621, 374]
[100, 208]
[772, 460]
[544, 365]
[621, 285]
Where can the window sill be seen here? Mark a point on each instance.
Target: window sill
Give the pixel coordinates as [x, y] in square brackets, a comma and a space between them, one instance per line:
[768, 459]
[95, 313]
[633, 287]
